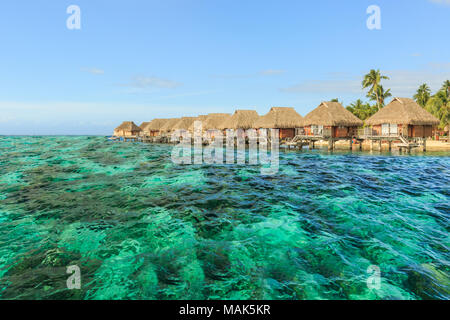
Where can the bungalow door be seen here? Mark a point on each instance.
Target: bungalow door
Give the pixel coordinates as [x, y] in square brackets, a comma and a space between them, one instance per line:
[385, 129]
[393, 130]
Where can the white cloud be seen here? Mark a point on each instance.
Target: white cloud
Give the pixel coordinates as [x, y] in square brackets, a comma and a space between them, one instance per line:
[143, 82]
[325, 86]
[272, 72]
[444, 2]
[262, 73]
[94, 71]
[403, 83]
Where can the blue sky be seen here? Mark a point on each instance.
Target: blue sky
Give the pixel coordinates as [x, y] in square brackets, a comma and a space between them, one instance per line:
[137, 60]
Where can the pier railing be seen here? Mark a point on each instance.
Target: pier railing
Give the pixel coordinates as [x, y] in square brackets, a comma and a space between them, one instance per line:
[365, 133]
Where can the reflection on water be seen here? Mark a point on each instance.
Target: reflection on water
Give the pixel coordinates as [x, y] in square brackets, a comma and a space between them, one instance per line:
[141, 227]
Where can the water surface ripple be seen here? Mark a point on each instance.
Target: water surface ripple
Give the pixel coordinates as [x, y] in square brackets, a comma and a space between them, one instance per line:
[141, 227]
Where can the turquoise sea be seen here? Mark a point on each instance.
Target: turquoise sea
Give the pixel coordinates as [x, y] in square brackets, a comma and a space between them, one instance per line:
[141, 227]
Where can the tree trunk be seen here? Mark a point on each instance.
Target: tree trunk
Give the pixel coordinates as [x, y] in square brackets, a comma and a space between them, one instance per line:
[378, 101]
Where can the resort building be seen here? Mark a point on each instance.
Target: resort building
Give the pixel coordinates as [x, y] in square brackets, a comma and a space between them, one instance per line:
[285, 119]
[331, 120]
[167, 127]
[127, 129]
[184, 123]
[153, 128]
[402, 117]
[202, 118]
[210, 122]
[214, 122]
[241, 119]
[143, 125]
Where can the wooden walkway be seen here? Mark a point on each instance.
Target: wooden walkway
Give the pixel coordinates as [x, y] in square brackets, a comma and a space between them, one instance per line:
[300, 141]
[399, 141]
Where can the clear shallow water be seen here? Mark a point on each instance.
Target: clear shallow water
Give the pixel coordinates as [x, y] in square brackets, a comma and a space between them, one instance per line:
[141, 227]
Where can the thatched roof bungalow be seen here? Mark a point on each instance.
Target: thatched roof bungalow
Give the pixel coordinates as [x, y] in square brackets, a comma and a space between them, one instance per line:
[210, 121]
[202, 118]
[214, 121]
[153, 128]
[331, 120]
[285, 119]
[403, 116]
[144, 124]
[127, 129]
[168, 125]
[241, 119]
[184, 123]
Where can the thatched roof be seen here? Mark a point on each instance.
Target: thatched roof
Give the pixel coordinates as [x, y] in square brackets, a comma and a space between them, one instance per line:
[214, 120]
[128, 126]
[403, 111]
[279, 118]
[184, 123]
[155, 125]
[241, 119]
[168, 126]
[201, 118]
[143, 125]
[331, 114]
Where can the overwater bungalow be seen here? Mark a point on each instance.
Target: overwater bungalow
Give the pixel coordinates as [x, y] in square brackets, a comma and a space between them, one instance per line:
[153, 128]
[241, 119]
[202, 118]
[184, 123]
[214, 122]
[167, 127]
[402, 118]
[330, 120]
[143, 125]
[285, 119]
[127, 129]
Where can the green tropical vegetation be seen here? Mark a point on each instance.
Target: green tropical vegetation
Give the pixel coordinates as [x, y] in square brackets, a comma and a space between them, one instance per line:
[372, 81]
[439, 105]
[362, 110]
[422, 95]
[376, 93]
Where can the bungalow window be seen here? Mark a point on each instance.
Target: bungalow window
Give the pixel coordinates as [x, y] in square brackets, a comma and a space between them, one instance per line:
[385, 129]
[393, 129]
[316, 130]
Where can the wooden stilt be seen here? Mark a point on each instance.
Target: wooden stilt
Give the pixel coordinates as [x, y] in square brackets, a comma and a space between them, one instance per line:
[371, 144]
[379, 144]
[424, 144]
[390, 145]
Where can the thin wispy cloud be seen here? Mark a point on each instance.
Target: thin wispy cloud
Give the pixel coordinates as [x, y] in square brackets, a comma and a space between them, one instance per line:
[95, 71]
[402, 83]
[262, 73]
[443, 2]
[143, 82]
[272, 72]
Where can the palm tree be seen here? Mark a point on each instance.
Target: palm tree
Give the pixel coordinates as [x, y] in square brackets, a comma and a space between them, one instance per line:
[439, 105]
[381, 95]
[446, 87]
[372, 81]
[422, 95]
[362, 110]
